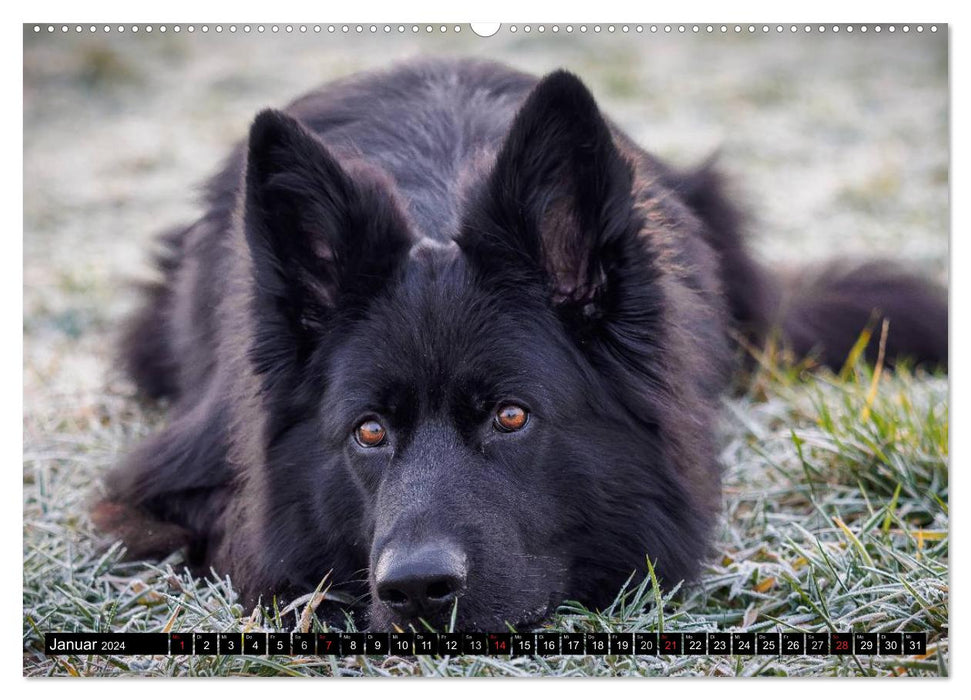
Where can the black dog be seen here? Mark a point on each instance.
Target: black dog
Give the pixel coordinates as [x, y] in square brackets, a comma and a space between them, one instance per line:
[448, 336]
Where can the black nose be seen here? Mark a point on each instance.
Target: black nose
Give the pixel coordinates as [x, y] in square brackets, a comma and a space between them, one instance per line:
[420, 581]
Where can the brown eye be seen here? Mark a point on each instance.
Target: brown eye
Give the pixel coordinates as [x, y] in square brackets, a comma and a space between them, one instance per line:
[510, 418]
[370, 433]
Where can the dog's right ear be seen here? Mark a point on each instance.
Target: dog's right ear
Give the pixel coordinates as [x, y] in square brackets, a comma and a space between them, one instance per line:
[320, 240]
[559, 205]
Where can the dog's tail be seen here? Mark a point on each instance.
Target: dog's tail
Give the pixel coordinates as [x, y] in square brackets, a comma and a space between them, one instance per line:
[823, 312]
[820, 313]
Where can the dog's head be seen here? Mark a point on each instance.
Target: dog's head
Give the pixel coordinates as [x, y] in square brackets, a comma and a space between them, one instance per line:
[473, 417]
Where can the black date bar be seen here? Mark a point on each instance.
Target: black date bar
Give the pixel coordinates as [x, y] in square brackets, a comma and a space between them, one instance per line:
[498, 644]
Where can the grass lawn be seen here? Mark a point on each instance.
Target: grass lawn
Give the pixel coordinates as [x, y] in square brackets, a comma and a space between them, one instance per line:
[835, 519]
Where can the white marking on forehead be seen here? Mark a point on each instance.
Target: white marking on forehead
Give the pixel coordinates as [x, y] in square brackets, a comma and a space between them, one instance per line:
[426, 247]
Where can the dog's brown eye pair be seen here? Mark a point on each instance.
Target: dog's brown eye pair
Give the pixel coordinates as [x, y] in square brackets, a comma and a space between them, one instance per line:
[510, 417]
[370, 433]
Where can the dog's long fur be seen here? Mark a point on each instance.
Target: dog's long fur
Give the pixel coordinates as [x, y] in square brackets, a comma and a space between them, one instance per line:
[420, 244]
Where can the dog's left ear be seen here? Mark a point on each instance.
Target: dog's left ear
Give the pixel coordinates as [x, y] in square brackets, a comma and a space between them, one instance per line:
[558, 200]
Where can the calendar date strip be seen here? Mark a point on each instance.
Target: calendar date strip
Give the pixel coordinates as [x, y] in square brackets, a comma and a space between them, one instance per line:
[527, 644]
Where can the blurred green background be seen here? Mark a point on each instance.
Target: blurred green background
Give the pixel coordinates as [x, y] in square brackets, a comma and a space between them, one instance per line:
[837, 142]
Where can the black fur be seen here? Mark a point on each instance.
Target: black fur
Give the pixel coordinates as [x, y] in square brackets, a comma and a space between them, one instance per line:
[419, 248]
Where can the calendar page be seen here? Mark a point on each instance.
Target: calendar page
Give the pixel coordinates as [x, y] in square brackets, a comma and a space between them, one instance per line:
[516, 349]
